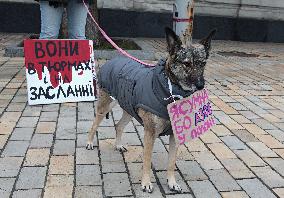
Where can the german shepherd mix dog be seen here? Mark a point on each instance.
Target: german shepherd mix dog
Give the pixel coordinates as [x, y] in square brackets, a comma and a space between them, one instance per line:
[143, 93]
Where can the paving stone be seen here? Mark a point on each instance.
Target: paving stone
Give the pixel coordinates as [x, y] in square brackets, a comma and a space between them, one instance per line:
[46, 127]
[234, 143]
[3, 140]
[32, 193]
[235, 194]
[31, 177]
[50, 107]
[221, 151]
[261, 149]
[240, 119]
[106, 133]
[37, 157]
[191, 170]
[48, 116]
[237, 168]
[222, 180]
[279, 192]
[264, 124]
[270, 141]
[22, 134]
[6, 128]
[88, 192]
[87, 175]
[6, 186]
[183, 154]
[179, 196]
[10, 166]
[117, 184]
[277, 164]
[268, 176]
[134, 154]
[160, 161]
[254, 129]
[16, 106]
[32, 111]
[15, 149]
[84, 126]
[250, 158]
[207, 160]
[64, 147]
[84, 156]
[131, 139]
[159, 147]
[245, 136]
[196, 145]
[86, 115]
[61, 165]
[58, 192]
[82, 140]
[107, 122]
[221, 130]
[60, 181]
[203, 189]
[27, 122]
[113, 167]
[279, 152]
[278, 134]
[255, 189]
[42, 141]
[210, 138]
[10, 116]
[65, 134]
[139, 192]
[135, 173]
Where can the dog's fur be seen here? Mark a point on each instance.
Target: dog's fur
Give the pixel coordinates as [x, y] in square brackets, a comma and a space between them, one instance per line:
[184, 67]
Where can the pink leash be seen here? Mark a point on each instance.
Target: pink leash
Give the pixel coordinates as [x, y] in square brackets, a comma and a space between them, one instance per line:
[113, 43]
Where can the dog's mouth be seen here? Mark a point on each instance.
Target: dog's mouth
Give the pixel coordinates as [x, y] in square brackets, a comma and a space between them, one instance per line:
[188, 87]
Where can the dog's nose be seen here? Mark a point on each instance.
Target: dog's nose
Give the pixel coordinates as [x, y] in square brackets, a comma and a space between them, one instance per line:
[199, 85]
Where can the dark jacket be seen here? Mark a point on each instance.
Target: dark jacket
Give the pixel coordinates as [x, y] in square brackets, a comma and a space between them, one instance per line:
[136, 86]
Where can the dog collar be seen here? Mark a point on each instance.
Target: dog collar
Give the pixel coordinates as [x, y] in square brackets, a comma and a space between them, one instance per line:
[171, 92]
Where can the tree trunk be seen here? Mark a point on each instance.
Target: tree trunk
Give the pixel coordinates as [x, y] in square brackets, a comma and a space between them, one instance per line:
[92, 32]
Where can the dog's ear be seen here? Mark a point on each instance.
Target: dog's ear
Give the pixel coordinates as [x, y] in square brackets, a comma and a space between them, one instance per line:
[207, 41]
[173, 41]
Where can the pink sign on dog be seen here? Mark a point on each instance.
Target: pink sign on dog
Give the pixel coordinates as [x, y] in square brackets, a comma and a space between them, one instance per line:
[191, 116]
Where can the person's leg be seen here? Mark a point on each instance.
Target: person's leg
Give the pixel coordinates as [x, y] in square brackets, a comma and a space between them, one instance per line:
[50, 20]
[77, 15]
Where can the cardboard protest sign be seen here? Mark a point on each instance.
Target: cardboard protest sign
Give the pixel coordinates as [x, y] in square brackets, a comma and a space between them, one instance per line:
[191, 116]
[59, 71]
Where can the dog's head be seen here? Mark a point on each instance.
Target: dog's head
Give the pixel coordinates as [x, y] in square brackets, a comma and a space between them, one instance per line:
[185, 65]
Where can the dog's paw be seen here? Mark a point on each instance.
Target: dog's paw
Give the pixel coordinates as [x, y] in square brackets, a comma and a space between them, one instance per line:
[90, 146]
[175, 187]
[147, 187]
[120, 148]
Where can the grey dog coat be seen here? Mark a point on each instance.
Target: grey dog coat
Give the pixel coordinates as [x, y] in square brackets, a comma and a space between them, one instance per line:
[136, 86]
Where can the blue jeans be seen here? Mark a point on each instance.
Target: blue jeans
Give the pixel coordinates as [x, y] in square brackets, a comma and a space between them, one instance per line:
[51, 19]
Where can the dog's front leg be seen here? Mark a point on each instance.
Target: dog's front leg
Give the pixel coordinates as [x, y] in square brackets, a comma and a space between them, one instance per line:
[173, 147]
[149, 139]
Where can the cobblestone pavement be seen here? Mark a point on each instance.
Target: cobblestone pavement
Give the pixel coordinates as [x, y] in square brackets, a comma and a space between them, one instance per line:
[42, 148]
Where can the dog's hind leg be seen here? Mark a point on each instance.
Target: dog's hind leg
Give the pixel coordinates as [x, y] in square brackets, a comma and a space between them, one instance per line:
[173, 147]
[104, 105]
[149, 139]
[125, 119]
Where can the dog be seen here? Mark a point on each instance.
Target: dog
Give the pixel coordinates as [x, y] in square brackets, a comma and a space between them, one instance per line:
[143, 93]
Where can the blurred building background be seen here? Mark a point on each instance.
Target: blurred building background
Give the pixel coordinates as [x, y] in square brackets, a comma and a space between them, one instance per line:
[245, 20]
